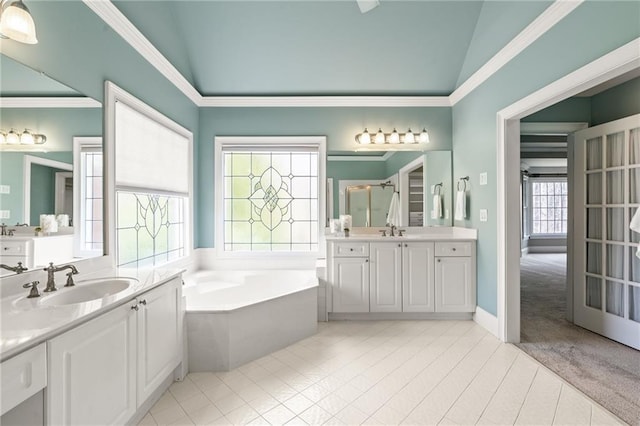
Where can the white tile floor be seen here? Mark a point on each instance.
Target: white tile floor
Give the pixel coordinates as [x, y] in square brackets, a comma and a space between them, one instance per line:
[383, 373]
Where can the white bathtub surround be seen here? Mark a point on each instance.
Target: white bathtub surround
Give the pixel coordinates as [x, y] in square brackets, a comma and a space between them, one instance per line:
[234, 317]
[210, 259]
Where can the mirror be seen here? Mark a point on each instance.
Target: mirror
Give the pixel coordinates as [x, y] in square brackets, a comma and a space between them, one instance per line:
[362, 184]
[58, 177]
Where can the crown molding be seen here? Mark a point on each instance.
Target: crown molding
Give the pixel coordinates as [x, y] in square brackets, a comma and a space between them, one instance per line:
[121, 25]
[42, 102]
[543, 23]
[324, 101]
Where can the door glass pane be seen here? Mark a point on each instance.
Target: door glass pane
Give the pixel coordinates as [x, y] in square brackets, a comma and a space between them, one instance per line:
[634, 303]
[615, 187]
[634, 146]
[615, 261]
[593, 293]
[634, 185]
[615, 298]
[594, 258]
[634, 265]
[594, 188]
[594, 223]
[594, 153]
[615, 224]
[615, 149]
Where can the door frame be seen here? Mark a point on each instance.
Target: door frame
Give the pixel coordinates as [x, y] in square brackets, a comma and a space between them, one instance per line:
[620, 61]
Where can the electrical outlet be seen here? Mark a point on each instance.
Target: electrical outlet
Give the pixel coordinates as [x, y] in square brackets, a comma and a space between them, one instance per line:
[5, 189]
[483, 215]
[483, 178]
[5, 214]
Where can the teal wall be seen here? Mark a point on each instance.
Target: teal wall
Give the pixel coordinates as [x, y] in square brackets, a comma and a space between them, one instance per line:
[592, 30]
[12, 174]
[618, 102]
[43, 192]
[438, 170]
[339, 125]
[577, 110]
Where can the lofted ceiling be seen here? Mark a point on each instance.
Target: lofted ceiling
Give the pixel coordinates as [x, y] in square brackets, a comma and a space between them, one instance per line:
[322, 48]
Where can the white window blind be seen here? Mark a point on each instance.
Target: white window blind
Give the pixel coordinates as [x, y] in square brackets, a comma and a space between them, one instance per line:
[148, 154]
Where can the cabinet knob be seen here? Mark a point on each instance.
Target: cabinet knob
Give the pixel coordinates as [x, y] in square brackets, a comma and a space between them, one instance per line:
[406, 245]
[367, 260]
[134, 308]
[143, 302]
[350, 249]
[438, 260]
[453, 249]
[399, 245]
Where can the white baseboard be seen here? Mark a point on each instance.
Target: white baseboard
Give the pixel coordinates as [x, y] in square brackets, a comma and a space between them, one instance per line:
[547, 249]
[486, 320]
[398, 316]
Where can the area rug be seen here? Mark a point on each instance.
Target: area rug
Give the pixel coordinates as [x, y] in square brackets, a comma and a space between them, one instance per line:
[606, 371]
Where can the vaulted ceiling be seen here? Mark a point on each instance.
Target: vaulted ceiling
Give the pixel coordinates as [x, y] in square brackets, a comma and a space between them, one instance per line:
[305, 47]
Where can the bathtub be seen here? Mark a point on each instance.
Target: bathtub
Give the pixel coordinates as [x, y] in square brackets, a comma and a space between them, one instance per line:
[234, 317]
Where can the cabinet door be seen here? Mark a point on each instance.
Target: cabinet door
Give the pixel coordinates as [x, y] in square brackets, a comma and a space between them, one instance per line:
[159, 336]
[454, 292]
[92, 372]
[386, 277]
[417, 277]
[350, 280]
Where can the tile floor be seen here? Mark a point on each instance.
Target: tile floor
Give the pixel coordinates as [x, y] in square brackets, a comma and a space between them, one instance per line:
[382, 373]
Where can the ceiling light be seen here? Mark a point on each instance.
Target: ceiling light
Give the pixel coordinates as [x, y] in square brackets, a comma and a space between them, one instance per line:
[424, 136]
[364, 138]
[394, 137]
[409, 137]
[26, 138]
[380, 138]
[12, 138]
[16, 22]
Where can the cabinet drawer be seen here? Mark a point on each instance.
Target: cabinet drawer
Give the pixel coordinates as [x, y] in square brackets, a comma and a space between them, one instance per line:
[13, 248]
[23, 376]
[354, 249]
[453, 249]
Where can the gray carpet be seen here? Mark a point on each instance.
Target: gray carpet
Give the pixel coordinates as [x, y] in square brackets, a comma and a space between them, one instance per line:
[606, 371]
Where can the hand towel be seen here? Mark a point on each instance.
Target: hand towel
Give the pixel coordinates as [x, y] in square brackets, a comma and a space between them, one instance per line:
[461, 208]
[393, 217]
[634, 225]
[436, 213]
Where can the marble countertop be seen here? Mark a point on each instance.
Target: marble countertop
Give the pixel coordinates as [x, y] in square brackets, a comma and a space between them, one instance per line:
[26, 323]
[417, 234]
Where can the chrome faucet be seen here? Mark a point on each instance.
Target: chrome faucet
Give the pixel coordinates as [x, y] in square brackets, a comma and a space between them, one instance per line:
[17, 269]
[392, 232]
[51, 270]
[3, 229]
[34, 289]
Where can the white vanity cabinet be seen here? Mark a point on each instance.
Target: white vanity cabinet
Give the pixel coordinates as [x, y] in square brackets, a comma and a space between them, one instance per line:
[102, 371]
[418, 289]
[385, 277]
[350, 277]
[455, 277]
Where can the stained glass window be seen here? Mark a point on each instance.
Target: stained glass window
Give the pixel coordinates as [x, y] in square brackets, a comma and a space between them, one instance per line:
[270, 201]
[150, 228]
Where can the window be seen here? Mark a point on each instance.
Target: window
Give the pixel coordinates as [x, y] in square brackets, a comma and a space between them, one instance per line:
[152, 185]
[269, 196]
[88, 206]
[549, 206]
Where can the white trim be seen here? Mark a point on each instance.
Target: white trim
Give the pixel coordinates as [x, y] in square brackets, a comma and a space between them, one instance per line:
[551, 129]
[52, 102]
[547, 249]
[121, 25]
[28, 161]
[543, 23]
[403, 188]
[486, 320]
[324, 101]
[622, 60]
[78, 217]
[319, 142]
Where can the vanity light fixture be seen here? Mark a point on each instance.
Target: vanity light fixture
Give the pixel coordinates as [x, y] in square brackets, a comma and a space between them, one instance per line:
[24, 138]
[393, 138]
[16, 22]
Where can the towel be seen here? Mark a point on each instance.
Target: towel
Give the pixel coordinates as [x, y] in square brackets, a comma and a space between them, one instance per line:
[436, 213]
[393, 217]
[461, 207]
[635, 227]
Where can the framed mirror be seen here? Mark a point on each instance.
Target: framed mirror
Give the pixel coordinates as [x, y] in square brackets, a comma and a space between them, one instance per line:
[60, 178]
[362, 183]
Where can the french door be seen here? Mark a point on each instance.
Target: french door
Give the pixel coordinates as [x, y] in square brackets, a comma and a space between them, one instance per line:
[606, 283]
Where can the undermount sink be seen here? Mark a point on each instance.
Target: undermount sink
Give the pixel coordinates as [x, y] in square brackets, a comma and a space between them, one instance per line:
[88, 290]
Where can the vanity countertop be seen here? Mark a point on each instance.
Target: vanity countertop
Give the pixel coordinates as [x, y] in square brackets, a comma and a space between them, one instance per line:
[28, 322]
[421, 234]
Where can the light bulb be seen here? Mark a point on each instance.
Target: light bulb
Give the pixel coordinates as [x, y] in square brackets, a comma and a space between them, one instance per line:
[394, 137]
[16, 22]
[13, 138]
[26, 138]
[424, 136]
[380, 136]
[365, 137]
[3, 138]
[409, 137]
